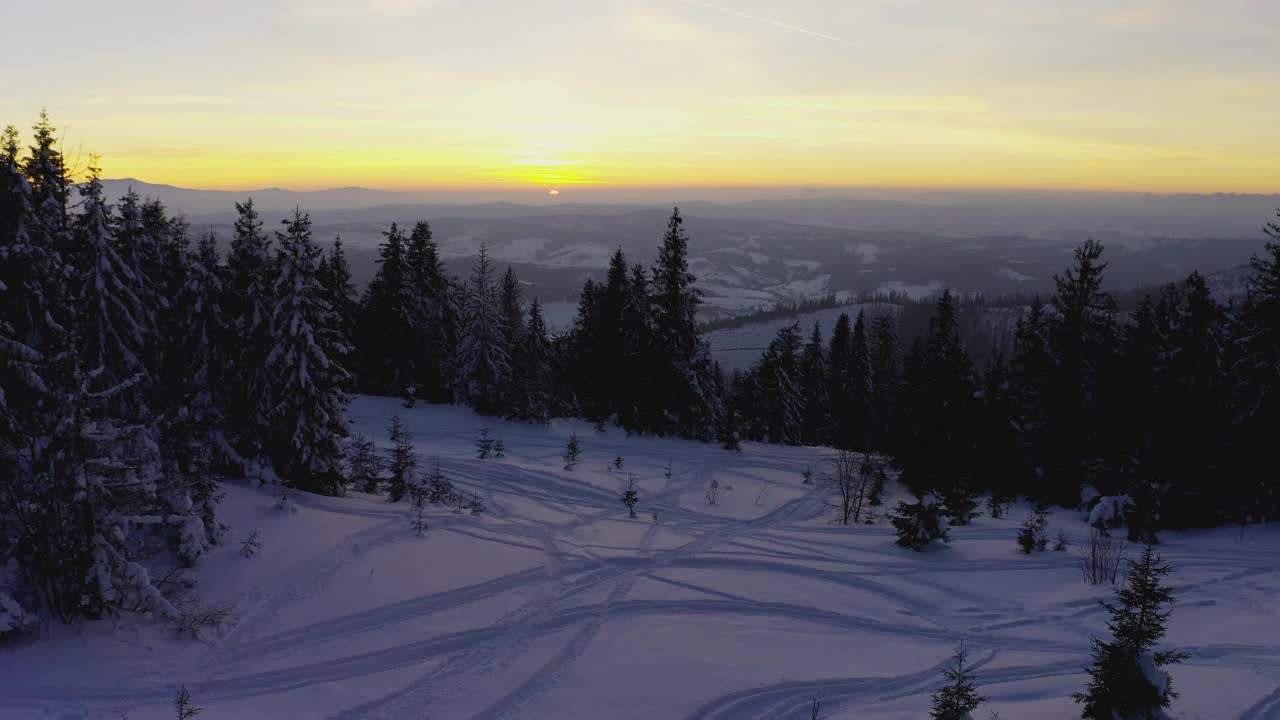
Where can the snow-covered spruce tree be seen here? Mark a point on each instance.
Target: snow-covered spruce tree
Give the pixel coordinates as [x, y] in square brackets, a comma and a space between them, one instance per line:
[30, 278]
[920, 523]
[192, 431]
[484, 443]
[1127, 680]
[364, 467]
[250, 299]
[483, 365]
[960, 504]
[683, 384]
[1031, 537]
[572, 451]
[137, 248]
[307, 398]
[402, 461]
[440, 490]
[959, 697]
[111, 314]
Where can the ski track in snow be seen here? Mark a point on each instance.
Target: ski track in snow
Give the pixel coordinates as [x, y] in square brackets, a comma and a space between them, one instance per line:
[581, 587]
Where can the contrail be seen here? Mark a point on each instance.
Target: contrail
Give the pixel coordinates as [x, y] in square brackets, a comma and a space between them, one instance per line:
[767, 21]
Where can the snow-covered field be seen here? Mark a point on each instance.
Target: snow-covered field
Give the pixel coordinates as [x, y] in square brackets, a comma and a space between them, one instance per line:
[553, 604]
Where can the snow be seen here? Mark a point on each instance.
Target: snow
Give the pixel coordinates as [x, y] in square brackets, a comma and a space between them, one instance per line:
[868, 253]
[1015, 275]
[915, 292]
[553, 604]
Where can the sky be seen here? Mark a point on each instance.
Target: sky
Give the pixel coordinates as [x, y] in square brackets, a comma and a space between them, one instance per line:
[1139, 95]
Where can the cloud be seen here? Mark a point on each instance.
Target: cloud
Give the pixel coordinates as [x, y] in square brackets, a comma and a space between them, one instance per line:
[764, 21]
[348, 10]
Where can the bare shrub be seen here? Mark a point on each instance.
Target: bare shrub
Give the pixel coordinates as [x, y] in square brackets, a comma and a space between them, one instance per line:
[197, 617]
[1105, 556]
[712, 491]
[849, 480]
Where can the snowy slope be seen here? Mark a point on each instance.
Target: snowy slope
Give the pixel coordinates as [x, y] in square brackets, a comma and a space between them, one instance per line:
[553, 605]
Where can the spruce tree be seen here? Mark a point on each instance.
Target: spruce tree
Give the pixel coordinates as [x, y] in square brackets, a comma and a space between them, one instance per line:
[779, 399]
[434, 315]
[1258, 394]
[572, 452]
[112, 314]
[683, 383]
[921, 523]
[251, 289]
[959, 698]
[403, 460]
[308, 402]
[334, 272]
[1080, 334]
[534, 374]
[364, 467]
[197, 373]
[483, 362]
[885, 379]
[815, 388]
[1029, 376]
[511, 302]
[388, 343]
[630, 497]
[1127, 680]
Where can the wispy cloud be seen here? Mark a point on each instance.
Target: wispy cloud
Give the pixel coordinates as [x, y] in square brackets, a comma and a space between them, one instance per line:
[339, 10]
[765, 21]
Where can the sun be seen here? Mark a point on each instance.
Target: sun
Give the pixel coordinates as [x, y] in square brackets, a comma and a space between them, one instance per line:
[553, 193]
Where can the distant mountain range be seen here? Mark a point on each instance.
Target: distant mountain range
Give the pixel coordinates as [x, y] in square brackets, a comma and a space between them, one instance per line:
[756, 252]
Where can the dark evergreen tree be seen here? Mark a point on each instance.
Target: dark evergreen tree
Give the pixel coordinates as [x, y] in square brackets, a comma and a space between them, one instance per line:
[364, 467]
[886, 377]
[388, 342]
[483, 363]
[921, 523]
[572, 451]
[402, 463]
[1081, 335]
[682, 384]
[1127, 680]
[779, 400]
[511, 302]
[534, 375]
[1258, 399]
[435, 316]
[815, 389]
[937, 452]
[334, 272]
[959, 697]
[1030, 373]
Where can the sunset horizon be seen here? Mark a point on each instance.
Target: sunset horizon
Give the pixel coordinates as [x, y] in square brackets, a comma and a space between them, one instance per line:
[431, 94]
